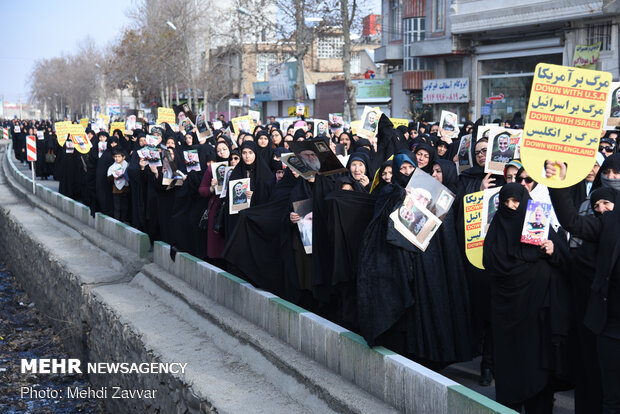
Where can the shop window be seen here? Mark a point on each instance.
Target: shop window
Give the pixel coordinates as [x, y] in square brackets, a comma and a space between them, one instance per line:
[599, 32]
[511, 78]
[396, 20]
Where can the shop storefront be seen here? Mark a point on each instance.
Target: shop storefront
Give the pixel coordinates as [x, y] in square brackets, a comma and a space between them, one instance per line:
[505, 76]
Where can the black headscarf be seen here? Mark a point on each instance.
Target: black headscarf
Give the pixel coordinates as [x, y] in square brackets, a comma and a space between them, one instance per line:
[382, 182]
[262, 179]
[265, 153]
[504, 253]
[402, 129]
[431, 156]
[300, 133]
[217, 157]
[611, 162]
[604, 193]
[450, 178]
[446, 155]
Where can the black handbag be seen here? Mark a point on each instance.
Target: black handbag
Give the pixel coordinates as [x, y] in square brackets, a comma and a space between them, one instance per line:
[220, 214]
[50, 158]
[204, 220]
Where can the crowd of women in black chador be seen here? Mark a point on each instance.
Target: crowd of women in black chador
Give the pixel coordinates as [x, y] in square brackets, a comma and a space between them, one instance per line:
[45, 142]
[524, 314]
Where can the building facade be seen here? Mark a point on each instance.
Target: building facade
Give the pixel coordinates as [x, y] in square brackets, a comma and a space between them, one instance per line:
[323, 62]
[493, 45]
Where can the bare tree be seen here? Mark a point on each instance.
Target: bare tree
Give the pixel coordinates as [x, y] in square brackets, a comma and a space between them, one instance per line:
[293, 27]
[66, 83]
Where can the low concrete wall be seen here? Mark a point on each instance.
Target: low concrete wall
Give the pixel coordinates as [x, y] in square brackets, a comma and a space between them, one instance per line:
[127, 236]
[402, 383]
[396, 380]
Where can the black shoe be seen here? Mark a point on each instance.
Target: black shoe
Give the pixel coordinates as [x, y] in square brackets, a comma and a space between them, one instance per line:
[486, 377]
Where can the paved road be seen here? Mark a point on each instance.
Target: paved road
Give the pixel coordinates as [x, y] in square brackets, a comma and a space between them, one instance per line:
[464, 373]
[25, 168]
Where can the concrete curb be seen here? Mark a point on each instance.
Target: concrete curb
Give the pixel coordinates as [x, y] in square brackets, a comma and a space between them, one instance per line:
[400, 382]
[134, 240]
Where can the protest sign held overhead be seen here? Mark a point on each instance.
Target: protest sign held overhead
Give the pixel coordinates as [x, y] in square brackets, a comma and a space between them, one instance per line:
[612, 112]
[399, 121]
[448, 124]
[79, 138]
[117, 125]
[368, 124]
[502, 148]
[62, 129]
[243, 124]
[321, 128]
[316, 157]
[166, 115]
[564, 121]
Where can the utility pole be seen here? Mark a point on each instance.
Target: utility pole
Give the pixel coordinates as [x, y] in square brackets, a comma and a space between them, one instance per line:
[300, 50]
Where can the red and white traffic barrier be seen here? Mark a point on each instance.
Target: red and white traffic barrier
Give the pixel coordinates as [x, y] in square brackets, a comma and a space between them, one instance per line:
[31, 147]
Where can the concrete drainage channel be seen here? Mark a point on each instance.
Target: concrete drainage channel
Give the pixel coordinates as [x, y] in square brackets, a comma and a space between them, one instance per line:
[246, 350]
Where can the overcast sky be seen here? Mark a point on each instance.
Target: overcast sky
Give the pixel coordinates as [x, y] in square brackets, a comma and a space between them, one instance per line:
[37, 29]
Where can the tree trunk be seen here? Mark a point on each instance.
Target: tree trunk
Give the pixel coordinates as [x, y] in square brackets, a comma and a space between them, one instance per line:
[346, 58]
[176, 91]
[163, 94]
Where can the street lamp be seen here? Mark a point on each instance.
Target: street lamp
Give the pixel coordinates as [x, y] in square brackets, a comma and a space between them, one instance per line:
[172, 26]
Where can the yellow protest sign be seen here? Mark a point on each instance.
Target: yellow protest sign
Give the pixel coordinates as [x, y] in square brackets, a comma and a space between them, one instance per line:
[474, 242]
[166, 115]
[399, 121]
[564, 120]
[79, 138]
[84, 122]
[62, 129]
[117, 125]
[292, 111]
[586, 56]
[243, 123]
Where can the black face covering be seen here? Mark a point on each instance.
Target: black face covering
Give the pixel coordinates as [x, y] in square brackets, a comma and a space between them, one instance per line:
[612, 162]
